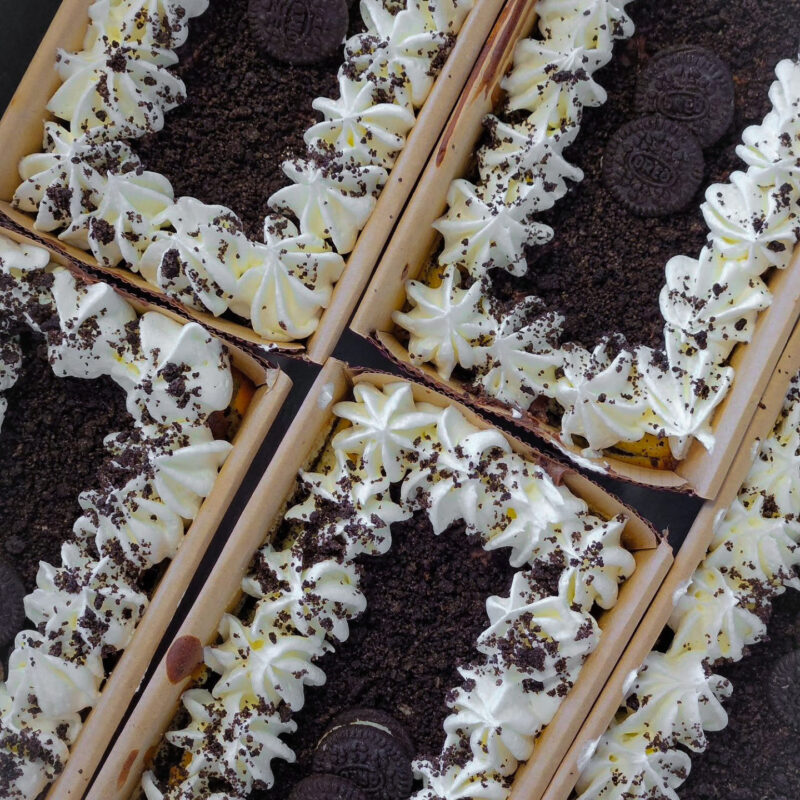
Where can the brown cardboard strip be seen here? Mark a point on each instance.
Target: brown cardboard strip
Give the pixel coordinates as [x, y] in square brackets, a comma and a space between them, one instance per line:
[21, 133]
[271, 390]
[120, 775]
[410, 249]
[686, 561]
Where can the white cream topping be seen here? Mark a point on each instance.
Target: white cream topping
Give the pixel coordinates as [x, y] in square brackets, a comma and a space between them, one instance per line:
[528, 657]
[675, 698]
[626, 767]
[442, 781]
[121, 227]
[361, 129]
[481, 235]
[753, 224]
[331, 201]
[146, 21]
[68, 177]
[712, 295]
[520, 360]
[87, 185]
[446, 323]
[602, 399]
[398, 50]
[709, 304]
[122, 89]
[87, 607]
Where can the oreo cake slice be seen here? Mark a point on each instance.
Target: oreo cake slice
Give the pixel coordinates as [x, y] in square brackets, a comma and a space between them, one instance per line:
[677, 696]
[300, 172]
[548, 291]
[81, 568]
[361, 662]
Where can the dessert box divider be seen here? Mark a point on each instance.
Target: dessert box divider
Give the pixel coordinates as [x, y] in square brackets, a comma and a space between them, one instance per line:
[309, 433]
[414, 242]
[677, 580]
[21, 133]
[265, 392]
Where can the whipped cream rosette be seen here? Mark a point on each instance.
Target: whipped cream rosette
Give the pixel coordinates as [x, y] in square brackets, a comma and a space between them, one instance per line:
[391, 456]
[675, 700]
[89, 188]
[85, 609]
[644, 403]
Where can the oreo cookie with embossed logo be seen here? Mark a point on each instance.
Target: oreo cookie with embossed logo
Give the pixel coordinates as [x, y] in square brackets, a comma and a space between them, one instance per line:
[371, 749]
[784, 689]
[653, 166]
[377, 718]
[326, 787]
[299, 31]
[690, 85]
[12, 593]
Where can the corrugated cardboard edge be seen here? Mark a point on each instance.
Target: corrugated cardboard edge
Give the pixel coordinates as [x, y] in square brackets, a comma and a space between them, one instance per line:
[686, 561]
[119, 776]
[271, 390]
[414, 239]
[21, 134]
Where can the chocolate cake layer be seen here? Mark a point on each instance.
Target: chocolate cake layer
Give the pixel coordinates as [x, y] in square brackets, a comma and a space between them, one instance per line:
[756, 757]
[245, 113]
[426, 606]
[51, 450]
[604, 268]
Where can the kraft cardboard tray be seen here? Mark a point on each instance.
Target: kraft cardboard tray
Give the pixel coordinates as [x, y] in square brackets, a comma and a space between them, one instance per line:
[21, 130]
[269, 390]
[137, 743]
[687, 559]
[414, 241]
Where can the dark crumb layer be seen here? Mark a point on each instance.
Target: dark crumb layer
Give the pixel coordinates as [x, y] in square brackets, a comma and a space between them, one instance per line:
[605, 254]
[51, 450]
[426, 606]
[244, 115]
[756, 757]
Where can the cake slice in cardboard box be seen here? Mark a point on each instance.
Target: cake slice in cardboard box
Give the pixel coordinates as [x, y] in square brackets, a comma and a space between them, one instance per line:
[434, 605]
[540, 291]
[734, 565]
[115, 424]
[231, 153]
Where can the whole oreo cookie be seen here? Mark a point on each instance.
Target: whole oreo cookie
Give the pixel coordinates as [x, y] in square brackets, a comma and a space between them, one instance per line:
[691, 85]
[653, 166]
[376, 718]
[326, 787]
[299, 31]
[12, 592]
[372, 750]
[784, 689]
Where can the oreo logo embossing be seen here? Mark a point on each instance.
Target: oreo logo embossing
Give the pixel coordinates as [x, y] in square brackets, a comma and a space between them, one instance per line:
[653, 166]
[649, 167]
[299, 31]
[691, 85]
[687, 106]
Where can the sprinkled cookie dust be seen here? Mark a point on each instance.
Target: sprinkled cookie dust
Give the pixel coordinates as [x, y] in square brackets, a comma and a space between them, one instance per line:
[674, 699]
[86, 609]
[389, 458]
[710, 303]
[90, 187]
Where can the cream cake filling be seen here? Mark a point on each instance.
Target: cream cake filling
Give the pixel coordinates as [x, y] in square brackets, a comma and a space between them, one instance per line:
[88, 186]
[87, 607]
[753, 558]
[452, 471]
[709, 303]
